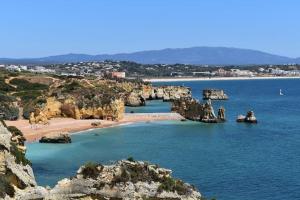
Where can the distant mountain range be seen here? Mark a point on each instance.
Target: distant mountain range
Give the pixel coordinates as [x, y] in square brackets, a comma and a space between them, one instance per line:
[194, 55]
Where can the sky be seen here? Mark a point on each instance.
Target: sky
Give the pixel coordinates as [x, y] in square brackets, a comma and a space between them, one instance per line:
[36, 28]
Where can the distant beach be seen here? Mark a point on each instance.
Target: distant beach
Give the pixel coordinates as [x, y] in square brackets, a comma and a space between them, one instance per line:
[69, 125]
[175, 79]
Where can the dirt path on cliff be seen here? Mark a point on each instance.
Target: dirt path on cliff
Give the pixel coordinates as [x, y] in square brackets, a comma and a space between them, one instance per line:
[69, 125]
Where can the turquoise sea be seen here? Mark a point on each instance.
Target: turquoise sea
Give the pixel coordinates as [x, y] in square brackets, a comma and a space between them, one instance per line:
[227, 161]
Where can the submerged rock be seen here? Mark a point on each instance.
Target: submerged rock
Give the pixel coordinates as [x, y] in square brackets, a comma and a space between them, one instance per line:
[61, 138]
[214, 94]
[249, 118]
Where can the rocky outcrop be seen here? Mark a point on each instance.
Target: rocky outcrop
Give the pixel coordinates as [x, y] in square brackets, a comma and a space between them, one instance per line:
[139, 96]
[61, 138]
[249, 118]
[214, 94]
[123, 180]
[96, 124]
[69, 106]
[172, 93]
[126, 179]
[135, 99]
[192, 109]
[15, 171]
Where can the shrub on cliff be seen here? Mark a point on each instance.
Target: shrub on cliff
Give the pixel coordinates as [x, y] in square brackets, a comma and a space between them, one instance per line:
[5, 87]
[26, 85]
[131, 159]
[91, 170]
[7, 108]
[20, 156]
[3, 123]
[171, 185]
[14, 130]
[6, 188]
[71, 86]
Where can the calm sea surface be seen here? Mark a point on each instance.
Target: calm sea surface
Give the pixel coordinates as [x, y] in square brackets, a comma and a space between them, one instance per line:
[227, 161]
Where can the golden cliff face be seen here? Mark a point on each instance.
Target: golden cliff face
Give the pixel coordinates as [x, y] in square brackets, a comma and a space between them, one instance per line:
[69, 108]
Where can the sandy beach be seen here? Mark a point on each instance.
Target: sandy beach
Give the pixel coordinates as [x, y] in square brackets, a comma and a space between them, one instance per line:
[70, 126]
[217, 78]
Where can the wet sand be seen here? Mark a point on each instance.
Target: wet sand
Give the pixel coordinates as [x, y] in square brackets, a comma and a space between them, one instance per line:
[69, 125]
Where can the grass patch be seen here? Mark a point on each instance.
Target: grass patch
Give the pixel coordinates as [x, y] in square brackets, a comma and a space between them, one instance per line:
[26, 85]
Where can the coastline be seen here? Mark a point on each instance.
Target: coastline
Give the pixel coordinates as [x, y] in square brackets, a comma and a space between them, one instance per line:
[218, 78]
[73, 126]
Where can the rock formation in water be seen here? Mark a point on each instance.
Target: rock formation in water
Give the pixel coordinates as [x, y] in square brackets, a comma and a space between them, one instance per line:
[135, 99]
[214, 94]
[172, 93]
[249, 118]
[128, 180]
[61, 138]
[139, 95]
[192, 109]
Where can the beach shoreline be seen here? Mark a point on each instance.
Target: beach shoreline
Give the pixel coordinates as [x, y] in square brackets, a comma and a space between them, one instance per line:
[218, 78]
[72, 126]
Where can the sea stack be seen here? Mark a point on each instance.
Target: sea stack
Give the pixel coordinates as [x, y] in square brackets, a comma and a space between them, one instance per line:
[61, 138]
[214, 94]
[192, 109]
[249, 118]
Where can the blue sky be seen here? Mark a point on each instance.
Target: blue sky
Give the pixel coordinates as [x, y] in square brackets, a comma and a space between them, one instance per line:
[34, 28]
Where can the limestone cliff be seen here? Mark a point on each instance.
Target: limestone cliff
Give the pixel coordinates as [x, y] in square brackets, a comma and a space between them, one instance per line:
[74, 108]
[81, 99]
[172, 93]
[128, 180]
[192, 109]
[214, 94]
[138, 96]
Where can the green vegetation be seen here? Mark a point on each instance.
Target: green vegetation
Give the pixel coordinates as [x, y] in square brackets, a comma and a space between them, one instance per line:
[71, 86]
[6, 188]
[24, 85]
[14, 130]
[172, 185]
[8, 110]
[28, 95]
[3, 122]
[5, 87]
[20, 156]
[91, 170]
[131, 159]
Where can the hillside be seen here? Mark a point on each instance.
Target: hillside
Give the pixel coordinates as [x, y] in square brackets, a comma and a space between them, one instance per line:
[194, 55]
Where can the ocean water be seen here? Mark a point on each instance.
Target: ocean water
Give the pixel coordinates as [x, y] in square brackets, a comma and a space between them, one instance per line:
[227, 161]
[157, 106]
